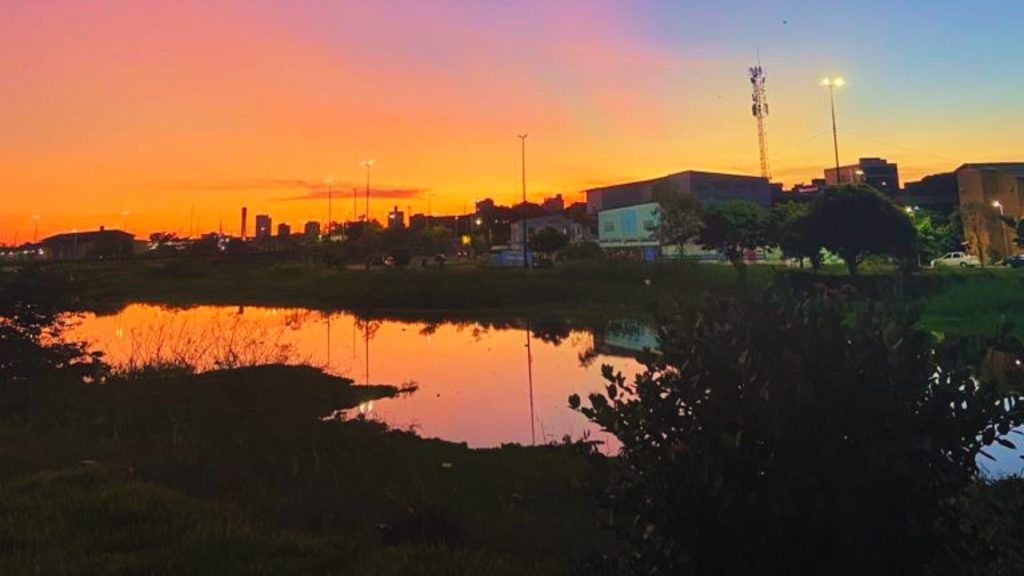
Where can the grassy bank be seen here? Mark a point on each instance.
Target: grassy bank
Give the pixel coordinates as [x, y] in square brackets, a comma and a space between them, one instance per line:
[235, 472]
[607, 287]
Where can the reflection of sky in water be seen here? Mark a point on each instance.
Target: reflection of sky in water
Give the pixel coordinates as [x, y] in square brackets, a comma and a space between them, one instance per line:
[473, 382]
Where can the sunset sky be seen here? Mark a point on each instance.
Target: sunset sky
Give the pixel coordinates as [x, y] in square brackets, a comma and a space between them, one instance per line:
[159, 108]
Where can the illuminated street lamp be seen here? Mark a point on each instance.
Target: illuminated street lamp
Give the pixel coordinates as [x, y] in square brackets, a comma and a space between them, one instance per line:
[832, 84]
[367, 164]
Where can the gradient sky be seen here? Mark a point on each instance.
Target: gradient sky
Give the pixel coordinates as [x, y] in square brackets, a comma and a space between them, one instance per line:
[160, 108]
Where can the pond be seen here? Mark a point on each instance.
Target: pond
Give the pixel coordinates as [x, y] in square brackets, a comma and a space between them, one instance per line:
[484, 385]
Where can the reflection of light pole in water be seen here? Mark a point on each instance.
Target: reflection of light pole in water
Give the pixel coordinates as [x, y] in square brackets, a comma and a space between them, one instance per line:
[529, 375]
[328, 341]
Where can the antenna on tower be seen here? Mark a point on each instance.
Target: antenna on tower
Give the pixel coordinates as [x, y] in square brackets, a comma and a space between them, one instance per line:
[760, 111]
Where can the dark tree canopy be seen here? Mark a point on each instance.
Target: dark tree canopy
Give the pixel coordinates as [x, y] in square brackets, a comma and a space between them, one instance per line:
[680, 218]
[855, 222]
[789, 229]
[547, 240]
[734, 226]
[780, 436]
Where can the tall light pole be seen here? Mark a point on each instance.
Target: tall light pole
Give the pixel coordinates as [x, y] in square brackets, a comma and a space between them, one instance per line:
[35, 229]
[1002, 226]
[124, 220]
[526, 261]
[367, 164]
[330, 204]
[832, 84]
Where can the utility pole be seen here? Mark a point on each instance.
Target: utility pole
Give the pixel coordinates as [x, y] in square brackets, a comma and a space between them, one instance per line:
[330, 202]
[367, 164]
[526, 261]
[832, 84]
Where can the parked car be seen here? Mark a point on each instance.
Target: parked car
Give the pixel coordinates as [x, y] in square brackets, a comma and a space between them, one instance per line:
[1015, 261]
[961, 259]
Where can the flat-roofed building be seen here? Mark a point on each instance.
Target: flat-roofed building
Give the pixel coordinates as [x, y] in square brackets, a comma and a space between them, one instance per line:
[998, 187]
[263, 226]
[708, 187]
[937, 192]
[878, 173]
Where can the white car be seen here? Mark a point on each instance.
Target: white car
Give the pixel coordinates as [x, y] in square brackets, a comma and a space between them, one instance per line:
[961, 259]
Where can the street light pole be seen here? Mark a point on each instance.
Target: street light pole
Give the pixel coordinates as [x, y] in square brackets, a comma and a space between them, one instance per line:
[367, 164]
[832, 84]
[526, 261]
[330, 204]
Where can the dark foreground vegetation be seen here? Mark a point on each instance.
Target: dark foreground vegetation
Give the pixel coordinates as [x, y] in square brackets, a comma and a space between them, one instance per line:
[786, 427]
[164, 471]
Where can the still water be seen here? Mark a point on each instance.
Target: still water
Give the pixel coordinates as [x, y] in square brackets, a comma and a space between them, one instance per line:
[476, 384]
[482, 385]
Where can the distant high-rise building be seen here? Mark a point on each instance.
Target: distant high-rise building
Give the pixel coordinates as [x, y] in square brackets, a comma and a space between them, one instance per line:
[284, 230]
[875, 172]
[263, 226]
[312, 229]
[554, 205]
[245, 215]
[396, 218]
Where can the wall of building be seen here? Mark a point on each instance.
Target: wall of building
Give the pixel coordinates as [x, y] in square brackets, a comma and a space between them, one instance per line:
[629, 227]
[983, 185]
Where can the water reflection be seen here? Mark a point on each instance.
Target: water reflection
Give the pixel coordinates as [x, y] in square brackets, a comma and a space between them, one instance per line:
[469, 376]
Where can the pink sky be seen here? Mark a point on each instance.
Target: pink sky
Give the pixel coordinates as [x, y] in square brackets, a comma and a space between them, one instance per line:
[160, 108]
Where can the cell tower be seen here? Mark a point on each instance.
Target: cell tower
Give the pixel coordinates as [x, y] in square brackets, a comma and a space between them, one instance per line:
[760, 110]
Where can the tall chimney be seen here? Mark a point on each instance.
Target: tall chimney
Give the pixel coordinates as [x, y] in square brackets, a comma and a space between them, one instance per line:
[245, 212]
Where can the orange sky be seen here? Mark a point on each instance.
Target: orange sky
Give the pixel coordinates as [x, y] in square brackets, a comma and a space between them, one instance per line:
[166, 108]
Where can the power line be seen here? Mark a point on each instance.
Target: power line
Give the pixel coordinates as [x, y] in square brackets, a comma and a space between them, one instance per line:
[907, 148]
[802, 142]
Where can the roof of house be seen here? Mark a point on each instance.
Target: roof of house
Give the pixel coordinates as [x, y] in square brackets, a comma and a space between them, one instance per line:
[85, 236]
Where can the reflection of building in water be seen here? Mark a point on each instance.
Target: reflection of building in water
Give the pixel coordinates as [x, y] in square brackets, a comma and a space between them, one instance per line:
[626, 338]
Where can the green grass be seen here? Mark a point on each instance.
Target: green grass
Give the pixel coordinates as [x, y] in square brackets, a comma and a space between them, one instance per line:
[977, 302]
[605, 286]
[181, 466]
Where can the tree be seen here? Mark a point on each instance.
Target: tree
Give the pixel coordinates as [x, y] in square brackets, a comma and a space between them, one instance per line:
[776, 435]
[858, 221]
[936, 235]
[978, 218]
[1016, 225]
[431, 240]
[789, 229]
[733, 227]
[680, 219]
[161, 238]
[548, 241]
